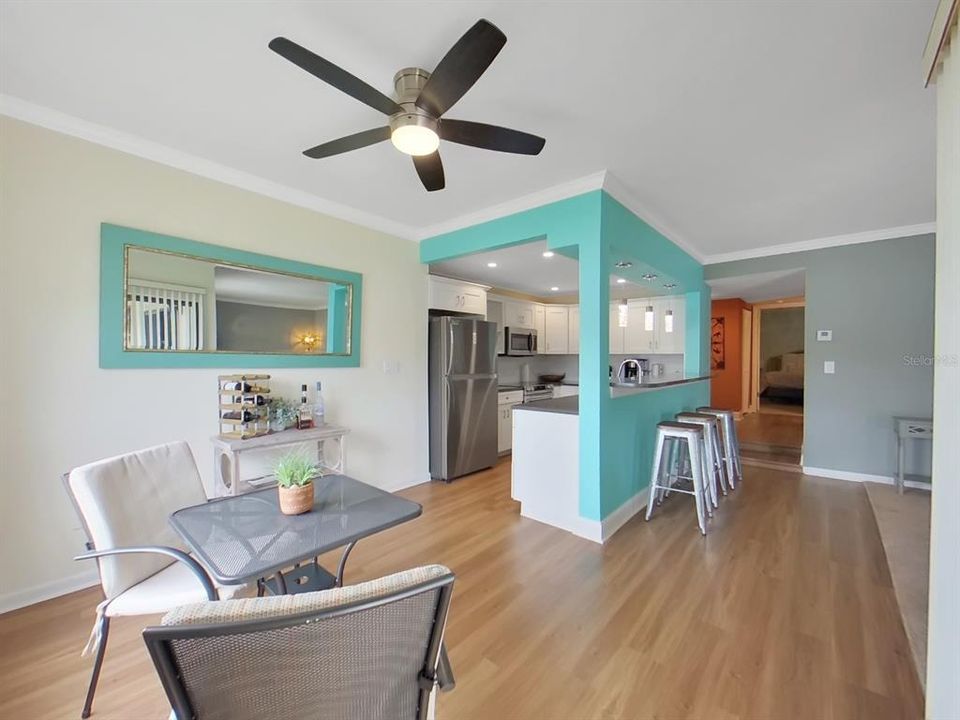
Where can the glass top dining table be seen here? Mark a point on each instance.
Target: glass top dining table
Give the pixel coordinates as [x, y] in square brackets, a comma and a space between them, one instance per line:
[243, 538]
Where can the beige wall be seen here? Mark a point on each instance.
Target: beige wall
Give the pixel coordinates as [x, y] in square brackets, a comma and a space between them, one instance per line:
[60, 409]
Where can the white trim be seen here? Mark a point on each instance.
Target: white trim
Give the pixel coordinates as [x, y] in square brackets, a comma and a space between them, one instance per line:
[48, 590]
[133, 145]
[510, 207]
[824, 242]
[619, 517]
[860, 477]
[939, 37]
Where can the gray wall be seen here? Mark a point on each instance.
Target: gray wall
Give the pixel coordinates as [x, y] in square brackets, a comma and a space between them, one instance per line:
[781, 331]
[878, 299]
[260, 328]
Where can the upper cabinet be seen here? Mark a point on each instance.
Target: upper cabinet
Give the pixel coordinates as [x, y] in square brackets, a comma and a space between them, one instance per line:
[655, 325]
[573, 330]
[456, 295]
[517, 313]
[540, 319]
[556, 331]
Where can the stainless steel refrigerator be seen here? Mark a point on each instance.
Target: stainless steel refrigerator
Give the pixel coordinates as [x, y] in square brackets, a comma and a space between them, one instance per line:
[463, 396]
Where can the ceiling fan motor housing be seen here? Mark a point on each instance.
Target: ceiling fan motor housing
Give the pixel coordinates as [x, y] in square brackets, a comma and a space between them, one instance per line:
[408, 83]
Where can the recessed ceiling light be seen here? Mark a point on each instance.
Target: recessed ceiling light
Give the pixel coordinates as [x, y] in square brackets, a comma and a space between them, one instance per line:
[624, 264]
[554, 289]
[548, 254]
[621, 280]
[669, 285]
[649, 276]
[491, 264]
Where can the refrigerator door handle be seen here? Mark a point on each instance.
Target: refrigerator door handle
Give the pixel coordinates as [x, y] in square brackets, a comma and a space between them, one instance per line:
[449, 350]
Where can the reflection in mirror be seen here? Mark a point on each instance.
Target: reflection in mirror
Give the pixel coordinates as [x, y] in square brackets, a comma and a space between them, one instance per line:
[179, 303]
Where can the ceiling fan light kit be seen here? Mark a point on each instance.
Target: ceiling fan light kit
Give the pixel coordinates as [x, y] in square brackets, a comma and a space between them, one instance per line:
[415, 126]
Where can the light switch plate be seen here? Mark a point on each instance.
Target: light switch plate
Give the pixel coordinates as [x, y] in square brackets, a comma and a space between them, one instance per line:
[824, 335]
[829, 367]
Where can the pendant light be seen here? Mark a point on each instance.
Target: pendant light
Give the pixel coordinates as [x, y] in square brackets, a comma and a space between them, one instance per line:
[622, 314]
[648, 318]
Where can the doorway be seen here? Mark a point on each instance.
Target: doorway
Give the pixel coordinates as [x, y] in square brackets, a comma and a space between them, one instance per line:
[771, 430]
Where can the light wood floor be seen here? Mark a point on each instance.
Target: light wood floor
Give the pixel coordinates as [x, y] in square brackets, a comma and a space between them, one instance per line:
[785, 610]
[771, 429]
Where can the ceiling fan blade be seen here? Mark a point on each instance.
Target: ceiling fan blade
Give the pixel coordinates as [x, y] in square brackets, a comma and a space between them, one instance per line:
[350, 142]
[491, 137]
[430, 170]
[461, 67]
[336, 76]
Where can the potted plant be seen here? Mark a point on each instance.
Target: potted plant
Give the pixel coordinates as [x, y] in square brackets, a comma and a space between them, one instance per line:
[282, 414]
[295, 474]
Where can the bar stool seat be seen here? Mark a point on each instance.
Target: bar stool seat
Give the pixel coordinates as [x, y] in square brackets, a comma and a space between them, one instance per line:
[691, 437]
[730, 443]
[713, 460]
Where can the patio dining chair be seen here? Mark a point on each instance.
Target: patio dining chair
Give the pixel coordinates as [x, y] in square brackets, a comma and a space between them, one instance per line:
[372, 650]
[124, 503]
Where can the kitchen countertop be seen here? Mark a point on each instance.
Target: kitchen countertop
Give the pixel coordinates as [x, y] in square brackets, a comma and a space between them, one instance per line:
[571, 405]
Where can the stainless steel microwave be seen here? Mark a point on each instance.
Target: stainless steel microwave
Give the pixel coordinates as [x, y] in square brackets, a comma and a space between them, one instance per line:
[519, 341]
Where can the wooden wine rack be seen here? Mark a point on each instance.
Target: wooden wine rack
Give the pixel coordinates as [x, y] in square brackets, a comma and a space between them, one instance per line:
[233, 401]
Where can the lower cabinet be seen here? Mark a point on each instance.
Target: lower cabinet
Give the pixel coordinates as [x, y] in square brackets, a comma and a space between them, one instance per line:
[506, 401]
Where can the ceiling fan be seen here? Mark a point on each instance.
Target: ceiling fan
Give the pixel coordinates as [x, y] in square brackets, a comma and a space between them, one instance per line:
[415, 126]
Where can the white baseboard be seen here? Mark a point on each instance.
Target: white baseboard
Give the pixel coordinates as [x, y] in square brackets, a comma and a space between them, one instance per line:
[599, 531]
[860, 477]
[46, 591]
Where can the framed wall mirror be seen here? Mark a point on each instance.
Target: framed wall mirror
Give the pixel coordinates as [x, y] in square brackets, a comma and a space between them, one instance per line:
[171, 302]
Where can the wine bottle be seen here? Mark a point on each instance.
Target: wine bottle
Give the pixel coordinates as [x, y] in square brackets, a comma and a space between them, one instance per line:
[241, 415]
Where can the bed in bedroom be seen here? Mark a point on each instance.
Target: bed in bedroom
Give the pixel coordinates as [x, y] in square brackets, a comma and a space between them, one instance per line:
[782, 379]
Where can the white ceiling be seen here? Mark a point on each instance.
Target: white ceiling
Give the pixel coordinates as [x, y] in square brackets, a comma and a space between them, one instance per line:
[522, 268]
[266, 288]
[739, 124]
[759, 286]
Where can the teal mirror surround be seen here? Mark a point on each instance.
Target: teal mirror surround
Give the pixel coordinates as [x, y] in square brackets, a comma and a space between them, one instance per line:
[342, 346]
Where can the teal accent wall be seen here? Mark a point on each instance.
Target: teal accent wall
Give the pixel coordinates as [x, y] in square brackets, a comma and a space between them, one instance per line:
[616, 435]
[338, 297]
[113, 240]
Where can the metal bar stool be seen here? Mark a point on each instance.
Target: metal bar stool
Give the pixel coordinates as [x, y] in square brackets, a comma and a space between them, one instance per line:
[680, 434]
[713, 460]
[731, 446]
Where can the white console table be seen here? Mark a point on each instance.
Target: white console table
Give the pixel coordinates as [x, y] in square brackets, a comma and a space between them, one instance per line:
[910, 429]
[228, 452]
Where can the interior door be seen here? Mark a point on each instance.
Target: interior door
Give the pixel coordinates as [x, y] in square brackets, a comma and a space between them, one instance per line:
[746, 333]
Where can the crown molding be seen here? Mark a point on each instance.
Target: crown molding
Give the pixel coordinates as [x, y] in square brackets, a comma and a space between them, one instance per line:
[511, 207]
[133, 145]
[824, 242]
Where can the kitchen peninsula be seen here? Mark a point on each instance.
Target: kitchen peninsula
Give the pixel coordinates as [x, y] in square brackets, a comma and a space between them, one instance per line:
[545, 476]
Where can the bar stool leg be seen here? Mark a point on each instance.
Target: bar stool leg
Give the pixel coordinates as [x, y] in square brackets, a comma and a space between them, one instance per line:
[710, 475]
[718, 456]
[674, 466]
[655, 473]
[696, 471]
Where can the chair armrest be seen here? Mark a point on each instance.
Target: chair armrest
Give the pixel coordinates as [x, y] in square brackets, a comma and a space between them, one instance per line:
[178, 555]
[445, 679]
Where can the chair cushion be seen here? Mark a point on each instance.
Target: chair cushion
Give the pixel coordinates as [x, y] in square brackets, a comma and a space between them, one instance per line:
[173, 586]
[127, 500]
[278, 605]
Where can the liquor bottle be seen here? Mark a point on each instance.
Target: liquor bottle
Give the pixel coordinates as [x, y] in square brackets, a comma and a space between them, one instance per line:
[304, 419]
[318, 419]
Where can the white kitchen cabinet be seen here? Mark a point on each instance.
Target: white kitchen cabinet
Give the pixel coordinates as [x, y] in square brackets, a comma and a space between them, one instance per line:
[671, 328]
[456, 295]
[556, 330]
[518, 314]
[540, 319]
[640, 334]
[506, 401]
[560, 391]
[573, 330]
[616, 332]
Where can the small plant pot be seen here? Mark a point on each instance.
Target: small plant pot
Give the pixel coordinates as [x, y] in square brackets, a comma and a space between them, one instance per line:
[296, 500]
